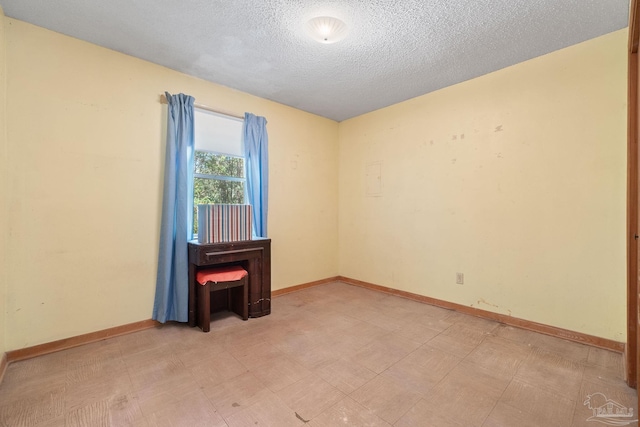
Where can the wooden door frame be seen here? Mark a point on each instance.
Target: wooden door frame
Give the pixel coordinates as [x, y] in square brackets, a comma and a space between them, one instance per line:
[631, 350]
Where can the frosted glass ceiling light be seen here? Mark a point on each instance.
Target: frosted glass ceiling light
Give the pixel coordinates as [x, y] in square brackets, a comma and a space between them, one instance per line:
[326, 29]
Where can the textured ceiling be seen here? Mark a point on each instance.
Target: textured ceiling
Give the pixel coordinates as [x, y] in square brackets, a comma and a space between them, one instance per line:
[395, 49]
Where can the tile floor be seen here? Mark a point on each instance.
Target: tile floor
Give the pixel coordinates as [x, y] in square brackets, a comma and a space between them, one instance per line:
[332, 355]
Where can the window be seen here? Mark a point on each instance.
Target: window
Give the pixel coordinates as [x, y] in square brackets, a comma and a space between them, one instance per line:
[219, 175]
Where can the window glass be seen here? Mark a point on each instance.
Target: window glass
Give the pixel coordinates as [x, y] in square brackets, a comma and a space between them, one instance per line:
[218, 164]
[219, 175]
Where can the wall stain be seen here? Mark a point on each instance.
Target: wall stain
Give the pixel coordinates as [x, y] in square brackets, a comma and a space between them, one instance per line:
[482, 301]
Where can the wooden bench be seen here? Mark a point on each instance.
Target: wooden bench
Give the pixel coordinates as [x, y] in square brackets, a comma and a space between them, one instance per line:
[214, 279]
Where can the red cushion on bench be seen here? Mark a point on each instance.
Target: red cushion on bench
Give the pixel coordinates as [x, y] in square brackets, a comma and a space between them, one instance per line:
[221, 274]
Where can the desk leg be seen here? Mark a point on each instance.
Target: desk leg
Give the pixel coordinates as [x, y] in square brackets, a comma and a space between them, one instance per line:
[265, 270]
[192, 295]
[259, 294]
[255, 285]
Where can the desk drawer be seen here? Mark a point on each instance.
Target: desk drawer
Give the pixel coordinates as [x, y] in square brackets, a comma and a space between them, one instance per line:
[226, 252]
[221, 257]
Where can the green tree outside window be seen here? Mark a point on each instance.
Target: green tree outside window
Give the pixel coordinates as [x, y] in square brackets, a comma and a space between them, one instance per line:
[218, 178]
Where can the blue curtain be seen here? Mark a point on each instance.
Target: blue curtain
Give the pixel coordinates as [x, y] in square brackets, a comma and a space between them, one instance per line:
[256, 156]
[172, 285]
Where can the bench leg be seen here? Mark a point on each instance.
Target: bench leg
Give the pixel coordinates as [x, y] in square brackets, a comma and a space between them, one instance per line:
[245, 299]
[204, 307]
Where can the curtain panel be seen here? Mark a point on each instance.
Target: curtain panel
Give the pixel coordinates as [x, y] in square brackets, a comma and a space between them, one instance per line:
[172, 288]
[256, 144]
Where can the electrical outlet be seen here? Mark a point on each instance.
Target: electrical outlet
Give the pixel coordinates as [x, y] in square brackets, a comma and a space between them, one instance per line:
[460, 278]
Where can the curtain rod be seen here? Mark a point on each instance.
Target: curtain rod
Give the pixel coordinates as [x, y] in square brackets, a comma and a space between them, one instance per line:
[163, 100]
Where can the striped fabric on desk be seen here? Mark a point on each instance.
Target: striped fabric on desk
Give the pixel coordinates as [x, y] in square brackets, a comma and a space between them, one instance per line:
[224, 223]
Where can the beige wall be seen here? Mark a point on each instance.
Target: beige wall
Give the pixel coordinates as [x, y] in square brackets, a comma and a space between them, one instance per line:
[516, 179]
[85, 137]
[3, 191]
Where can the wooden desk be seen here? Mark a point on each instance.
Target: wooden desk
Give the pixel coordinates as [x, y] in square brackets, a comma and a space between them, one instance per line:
[253, 255]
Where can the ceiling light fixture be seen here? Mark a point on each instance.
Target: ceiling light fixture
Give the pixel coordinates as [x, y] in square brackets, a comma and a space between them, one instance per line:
[326, 29]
